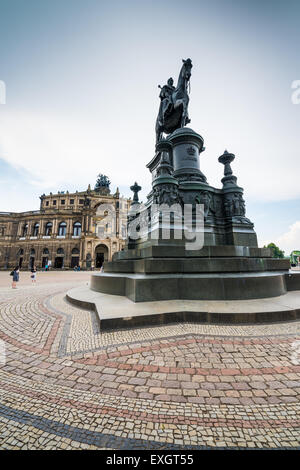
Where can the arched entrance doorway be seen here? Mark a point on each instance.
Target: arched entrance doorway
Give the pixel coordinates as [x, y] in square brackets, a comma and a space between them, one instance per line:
[32, 258]
[45, 257]
[101, 255]
[75, 258]
[20, 254]
[59, 260]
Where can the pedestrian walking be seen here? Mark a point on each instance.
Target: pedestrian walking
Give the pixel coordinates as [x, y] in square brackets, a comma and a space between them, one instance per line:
[33, 275]
[15, 274]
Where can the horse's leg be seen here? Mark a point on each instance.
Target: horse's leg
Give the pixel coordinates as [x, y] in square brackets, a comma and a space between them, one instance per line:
[157, 131]
[158, 134]
[187, 118]
[183, 116]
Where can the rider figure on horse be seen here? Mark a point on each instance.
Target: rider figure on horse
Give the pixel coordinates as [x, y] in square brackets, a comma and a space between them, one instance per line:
[173, 108]
[166, 98]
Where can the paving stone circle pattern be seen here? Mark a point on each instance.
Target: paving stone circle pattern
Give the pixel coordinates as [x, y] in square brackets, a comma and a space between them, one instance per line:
[66, 385]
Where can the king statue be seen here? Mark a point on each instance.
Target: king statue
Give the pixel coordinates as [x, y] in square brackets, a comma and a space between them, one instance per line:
[173, 110]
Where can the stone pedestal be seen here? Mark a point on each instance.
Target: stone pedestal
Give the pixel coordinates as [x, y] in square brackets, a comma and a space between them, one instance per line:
[186, 148]
[229, 265]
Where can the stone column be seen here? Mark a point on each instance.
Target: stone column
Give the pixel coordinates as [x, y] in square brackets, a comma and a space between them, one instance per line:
[41, 228]
[83, 223]
[19, 229]
[54, 226]
[69, 228]
[67, 257]
[82, 253]
[52, 253]
[187, 146]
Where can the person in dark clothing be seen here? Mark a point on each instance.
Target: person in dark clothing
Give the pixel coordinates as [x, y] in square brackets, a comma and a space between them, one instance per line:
[33, 274]
[15, 275]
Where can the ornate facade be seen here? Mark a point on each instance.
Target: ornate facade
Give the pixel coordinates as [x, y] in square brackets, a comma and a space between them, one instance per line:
[70, 229]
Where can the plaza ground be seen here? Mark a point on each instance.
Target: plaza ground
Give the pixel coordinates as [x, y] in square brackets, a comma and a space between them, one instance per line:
[66, 385]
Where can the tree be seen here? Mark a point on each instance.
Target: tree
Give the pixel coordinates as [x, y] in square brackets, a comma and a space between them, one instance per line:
[277, 253]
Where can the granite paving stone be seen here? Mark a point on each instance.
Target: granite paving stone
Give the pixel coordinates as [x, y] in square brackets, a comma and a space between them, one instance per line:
[67, 385]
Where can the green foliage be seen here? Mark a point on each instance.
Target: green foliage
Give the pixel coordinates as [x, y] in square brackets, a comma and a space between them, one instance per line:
[277, 253]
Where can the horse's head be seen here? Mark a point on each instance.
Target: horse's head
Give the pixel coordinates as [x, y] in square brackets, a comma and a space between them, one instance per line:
[187, 68]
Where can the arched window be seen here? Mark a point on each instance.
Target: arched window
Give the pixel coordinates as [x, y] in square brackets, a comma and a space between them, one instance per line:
[25, 230]
[60, 251]
[32, 252]
[36, 229]
[75, 251]
[77, 229]
[45, 251]
[62, 229]
[20, 252]
[48, 228]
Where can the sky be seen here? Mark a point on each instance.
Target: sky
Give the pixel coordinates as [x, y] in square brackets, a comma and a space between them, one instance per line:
[82, 97]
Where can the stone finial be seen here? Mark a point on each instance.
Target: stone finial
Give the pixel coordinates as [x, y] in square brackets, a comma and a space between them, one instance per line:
[229, 179]
[135, 189]
[226, 159]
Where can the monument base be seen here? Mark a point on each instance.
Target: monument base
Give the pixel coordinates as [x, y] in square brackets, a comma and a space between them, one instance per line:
[212, 273]
[226, 286]
[222, 263]
[119, 312]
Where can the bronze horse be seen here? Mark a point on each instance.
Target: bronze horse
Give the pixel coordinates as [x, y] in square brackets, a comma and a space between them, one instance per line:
[175, 115]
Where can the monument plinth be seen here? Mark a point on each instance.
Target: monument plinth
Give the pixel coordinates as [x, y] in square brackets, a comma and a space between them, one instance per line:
[186, 149]
[228, 265]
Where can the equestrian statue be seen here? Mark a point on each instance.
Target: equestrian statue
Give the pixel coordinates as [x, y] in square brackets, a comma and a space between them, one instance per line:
[173, 109]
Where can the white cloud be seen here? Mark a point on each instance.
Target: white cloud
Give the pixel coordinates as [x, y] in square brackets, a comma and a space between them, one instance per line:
[288, 241]
[55, 150]
[71, 146]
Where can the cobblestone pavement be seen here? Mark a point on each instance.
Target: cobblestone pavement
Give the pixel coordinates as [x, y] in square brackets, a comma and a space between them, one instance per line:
[67, 386]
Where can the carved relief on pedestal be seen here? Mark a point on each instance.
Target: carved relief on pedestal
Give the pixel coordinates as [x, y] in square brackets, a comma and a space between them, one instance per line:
[217, 207]
[205, 198]
[234, 205]
[166, 194]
